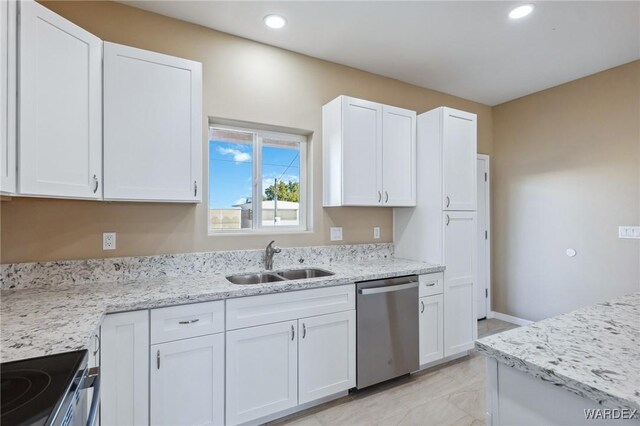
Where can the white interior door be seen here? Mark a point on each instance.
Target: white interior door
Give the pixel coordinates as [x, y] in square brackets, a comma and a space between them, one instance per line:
[483, 236]
[261, 371]
[398, 156]
[327, 358]
[459, 152]
[60, 108]
[362, 152]
[187, 381]
[152, 126]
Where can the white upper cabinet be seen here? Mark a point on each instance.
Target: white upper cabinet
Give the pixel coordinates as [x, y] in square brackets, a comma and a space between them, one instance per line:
[60, 107]
[459, 160]
[399, 156]
[8, 99]
[368, 154]
[152, 126]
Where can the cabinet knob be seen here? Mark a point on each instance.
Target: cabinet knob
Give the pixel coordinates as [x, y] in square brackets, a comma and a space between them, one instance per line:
[448, 220]
[97, 345]
[386, 197]
[96, 182]
[293, 333]
[379, 196]
[195, 188]
[447, 201]
[304, 330]
[158, 359]
[422, 307]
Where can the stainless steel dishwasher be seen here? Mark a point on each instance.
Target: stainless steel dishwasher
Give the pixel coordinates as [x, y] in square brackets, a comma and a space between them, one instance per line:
[387, 329]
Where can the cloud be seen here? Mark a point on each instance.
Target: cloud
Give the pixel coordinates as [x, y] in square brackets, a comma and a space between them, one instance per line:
[238, 155]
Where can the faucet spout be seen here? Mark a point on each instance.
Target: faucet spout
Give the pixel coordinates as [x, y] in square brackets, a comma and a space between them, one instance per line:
[268, 255]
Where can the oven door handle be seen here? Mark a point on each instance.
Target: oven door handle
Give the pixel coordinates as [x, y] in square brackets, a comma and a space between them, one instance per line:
[92, 380]
[389, 288]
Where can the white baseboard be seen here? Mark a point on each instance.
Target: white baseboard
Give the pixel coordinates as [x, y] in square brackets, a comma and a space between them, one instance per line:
[508, 318]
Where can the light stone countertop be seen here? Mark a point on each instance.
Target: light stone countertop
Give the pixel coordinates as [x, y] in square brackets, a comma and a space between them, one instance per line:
[593, 352]
[62, 318]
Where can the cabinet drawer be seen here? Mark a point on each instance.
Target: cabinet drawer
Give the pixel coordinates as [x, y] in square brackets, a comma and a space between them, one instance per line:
[270, 308]
[431, 284]
[184, 321]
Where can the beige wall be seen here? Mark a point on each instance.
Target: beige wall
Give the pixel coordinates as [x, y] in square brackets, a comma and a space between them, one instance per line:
[243, 80]
[566, 174]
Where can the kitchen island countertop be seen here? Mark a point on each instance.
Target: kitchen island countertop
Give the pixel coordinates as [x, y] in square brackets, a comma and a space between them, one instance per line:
[593, 352]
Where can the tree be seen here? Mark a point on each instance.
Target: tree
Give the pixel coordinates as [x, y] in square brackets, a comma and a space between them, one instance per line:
[287, 191]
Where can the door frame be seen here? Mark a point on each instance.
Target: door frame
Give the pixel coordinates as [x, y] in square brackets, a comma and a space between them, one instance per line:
[487, 158]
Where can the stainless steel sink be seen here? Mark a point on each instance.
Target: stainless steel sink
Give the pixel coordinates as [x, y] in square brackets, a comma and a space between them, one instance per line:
[265, 277]
[301, 274]
[286, 275]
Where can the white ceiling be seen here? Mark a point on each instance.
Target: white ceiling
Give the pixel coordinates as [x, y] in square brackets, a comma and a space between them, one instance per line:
[469, 49]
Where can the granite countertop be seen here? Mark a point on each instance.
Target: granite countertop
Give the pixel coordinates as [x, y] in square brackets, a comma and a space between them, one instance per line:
[593, 352]
[44, 321]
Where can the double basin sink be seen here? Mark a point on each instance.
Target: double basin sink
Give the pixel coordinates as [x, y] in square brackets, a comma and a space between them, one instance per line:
[286, 275]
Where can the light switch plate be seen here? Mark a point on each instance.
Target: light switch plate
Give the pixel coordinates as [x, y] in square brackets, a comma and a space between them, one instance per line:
[632, 232]
[108, 241]
[336, 233]
[376, 232]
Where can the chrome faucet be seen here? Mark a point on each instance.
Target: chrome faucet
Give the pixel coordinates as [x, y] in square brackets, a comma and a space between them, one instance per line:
[268, 255]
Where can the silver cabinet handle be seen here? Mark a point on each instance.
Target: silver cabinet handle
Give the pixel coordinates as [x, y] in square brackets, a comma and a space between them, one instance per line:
[189, 321]
[379, 196]
[96, 183]
[388, 288]
[304, 330]
[448, 220]
[195, 188]
[97, 349]
[386, 197]
[293, 333]
[430, 284]
[158, 359]
[448, 201]
[422, 307]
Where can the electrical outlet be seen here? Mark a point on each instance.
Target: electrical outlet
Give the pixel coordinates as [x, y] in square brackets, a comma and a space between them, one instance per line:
[376, 232]
[108, 241]
[629, 232]
[336, 233]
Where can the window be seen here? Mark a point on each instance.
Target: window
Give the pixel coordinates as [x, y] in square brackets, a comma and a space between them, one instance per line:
[257, 180]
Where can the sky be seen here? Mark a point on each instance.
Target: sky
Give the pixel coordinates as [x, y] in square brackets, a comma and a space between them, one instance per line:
[231, 169]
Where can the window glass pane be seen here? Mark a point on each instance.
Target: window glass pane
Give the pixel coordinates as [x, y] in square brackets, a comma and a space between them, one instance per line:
[280, 183]
[230, 179]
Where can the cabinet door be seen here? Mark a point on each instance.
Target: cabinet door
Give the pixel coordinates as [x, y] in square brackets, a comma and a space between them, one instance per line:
[124, 357]
[431, 328]
[327, 358]
[459, 245]
[262, 371]
[153, 132]
[8, 99]
[187, 381]
[60, 108]
[398, 156]
[361, 152]
[459, 152]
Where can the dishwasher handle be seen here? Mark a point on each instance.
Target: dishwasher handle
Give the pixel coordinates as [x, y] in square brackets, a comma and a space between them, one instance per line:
[388, 288]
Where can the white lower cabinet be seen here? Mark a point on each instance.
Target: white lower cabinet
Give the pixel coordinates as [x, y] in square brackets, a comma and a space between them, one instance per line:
[187, 381]
[262, 371]
[431, 328]
[124, 356]
[327, 357]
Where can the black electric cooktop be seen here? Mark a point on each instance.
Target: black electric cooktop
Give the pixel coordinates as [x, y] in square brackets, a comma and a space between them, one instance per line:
[32, 390]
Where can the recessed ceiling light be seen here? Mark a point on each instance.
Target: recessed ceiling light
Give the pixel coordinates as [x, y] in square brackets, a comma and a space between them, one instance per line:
[275, 21]
[521, 11]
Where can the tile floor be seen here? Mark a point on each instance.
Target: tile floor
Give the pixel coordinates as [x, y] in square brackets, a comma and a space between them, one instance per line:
[451, 394]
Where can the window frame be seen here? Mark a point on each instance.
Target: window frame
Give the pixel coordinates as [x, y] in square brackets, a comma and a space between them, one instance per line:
[257, 189]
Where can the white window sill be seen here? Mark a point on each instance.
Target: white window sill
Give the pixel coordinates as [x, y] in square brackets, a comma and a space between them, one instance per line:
[249, 232]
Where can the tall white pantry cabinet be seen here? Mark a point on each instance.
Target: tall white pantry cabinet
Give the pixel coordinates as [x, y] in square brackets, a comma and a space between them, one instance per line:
[441, 229]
